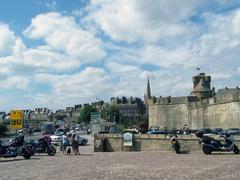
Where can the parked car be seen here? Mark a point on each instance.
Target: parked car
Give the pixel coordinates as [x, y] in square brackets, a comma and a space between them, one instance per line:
[206, 130]
[81, 140]
[234, 131]
[159, 132]
[59, 131]
[132, 131]
[217, 130]
[36, 130]
[56, 138]
[112, 129]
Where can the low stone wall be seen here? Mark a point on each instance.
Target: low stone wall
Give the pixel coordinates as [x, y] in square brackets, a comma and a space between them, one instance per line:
[146, 142]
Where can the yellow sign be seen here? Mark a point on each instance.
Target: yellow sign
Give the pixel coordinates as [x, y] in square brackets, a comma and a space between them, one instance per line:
[16, 119]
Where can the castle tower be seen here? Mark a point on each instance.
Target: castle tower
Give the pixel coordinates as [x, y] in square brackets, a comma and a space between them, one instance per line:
[202, 86]
[147, 94]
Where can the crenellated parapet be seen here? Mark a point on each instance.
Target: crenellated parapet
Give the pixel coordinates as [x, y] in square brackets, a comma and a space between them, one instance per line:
[171, 100]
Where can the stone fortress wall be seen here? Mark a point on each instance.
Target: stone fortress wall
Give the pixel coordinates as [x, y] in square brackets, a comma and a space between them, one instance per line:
[221, 110]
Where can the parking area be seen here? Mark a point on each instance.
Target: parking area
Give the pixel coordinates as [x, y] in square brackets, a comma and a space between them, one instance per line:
[123, 165]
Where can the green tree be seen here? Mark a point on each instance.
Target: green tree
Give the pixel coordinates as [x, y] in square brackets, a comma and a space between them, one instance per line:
[111, 113]
[115, 114]
[85, 114]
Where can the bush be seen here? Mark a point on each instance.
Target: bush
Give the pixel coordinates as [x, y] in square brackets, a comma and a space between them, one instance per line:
[3, 129]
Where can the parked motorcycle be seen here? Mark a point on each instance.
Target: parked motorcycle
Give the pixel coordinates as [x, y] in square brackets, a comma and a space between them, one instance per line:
[42, 146]
[16, 148]
[210, 144]
[175, 145]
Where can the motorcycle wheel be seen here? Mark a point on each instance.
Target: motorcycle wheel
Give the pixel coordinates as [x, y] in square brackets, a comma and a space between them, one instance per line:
[31, 148]
[207, 150]
[177, 149]
[83, 142]
[51, 151]
[26, 153]
[235, 149]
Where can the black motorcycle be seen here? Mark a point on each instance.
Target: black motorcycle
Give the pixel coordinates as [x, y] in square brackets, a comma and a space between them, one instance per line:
[42, 146]
[175, 144]
[210, 144]
[15, 148]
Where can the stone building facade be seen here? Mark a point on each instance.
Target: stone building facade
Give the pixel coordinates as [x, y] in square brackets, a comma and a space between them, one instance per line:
[130, 108]
[203, 109]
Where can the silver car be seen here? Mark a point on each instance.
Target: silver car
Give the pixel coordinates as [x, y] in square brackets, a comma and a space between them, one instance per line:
[81, 140]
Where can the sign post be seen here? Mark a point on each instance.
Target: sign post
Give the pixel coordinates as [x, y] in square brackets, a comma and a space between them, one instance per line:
[127, 139]
[16, 119]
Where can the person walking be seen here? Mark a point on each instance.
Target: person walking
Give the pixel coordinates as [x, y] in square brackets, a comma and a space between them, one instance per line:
[77, 144]
[64, 143]
[74, 140]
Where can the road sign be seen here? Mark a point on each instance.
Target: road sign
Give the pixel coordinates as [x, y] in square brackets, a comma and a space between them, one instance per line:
[16, 119]
[94, 116]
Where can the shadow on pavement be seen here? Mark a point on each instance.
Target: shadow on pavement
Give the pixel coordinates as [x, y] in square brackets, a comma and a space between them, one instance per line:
[223, 153]
[86, 154]
[12, 160]
[86, 145]
[184, 152]
[45, 155]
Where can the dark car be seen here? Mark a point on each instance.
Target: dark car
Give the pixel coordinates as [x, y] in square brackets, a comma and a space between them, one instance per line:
[217, 130]
[206, 130]
[36, 130]
[159, 132]
[112, 130]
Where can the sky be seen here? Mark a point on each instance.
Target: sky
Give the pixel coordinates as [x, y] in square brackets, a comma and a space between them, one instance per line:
[59, 53]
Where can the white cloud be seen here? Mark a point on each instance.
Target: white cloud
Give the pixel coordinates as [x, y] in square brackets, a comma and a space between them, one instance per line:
[87, 83]
[138, 20]
[14, 82]
[47, 61]
[222, 34]
[220, 76]
[62, 33]
[7, 39]
[167, 58]
[162, 37]
[120, 68]
[51, 4]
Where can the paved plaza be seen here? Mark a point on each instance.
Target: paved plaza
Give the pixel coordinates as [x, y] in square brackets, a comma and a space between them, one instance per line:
[122, 165]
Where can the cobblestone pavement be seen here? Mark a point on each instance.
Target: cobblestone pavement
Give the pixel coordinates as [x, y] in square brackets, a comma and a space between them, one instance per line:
[122, 165]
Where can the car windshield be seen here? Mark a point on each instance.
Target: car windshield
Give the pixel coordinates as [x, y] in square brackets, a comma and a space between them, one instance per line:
[59, 133]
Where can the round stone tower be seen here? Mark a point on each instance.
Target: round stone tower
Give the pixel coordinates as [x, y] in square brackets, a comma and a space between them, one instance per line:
[202, 86]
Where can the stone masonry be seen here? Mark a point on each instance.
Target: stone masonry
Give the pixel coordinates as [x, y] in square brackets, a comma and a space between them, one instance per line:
[204, 109]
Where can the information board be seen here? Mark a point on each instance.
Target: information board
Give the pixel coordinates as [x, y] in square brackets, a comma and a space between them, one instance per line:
[16, 119]
[127, 139]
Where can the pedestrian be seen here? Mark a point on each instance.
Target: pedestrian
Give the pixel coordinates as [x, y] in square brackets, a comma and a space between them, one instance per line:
[47, 138]
[77, 144]
[64, 143]
[74, 140]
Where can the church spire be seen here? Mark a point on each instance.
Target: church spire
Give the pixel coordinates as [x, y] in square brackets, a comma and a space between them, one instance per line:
[147, 94]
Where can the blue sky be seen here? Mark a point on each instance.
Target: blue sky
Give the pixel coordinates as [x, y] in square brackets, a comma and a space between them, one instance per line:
[58, 53]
